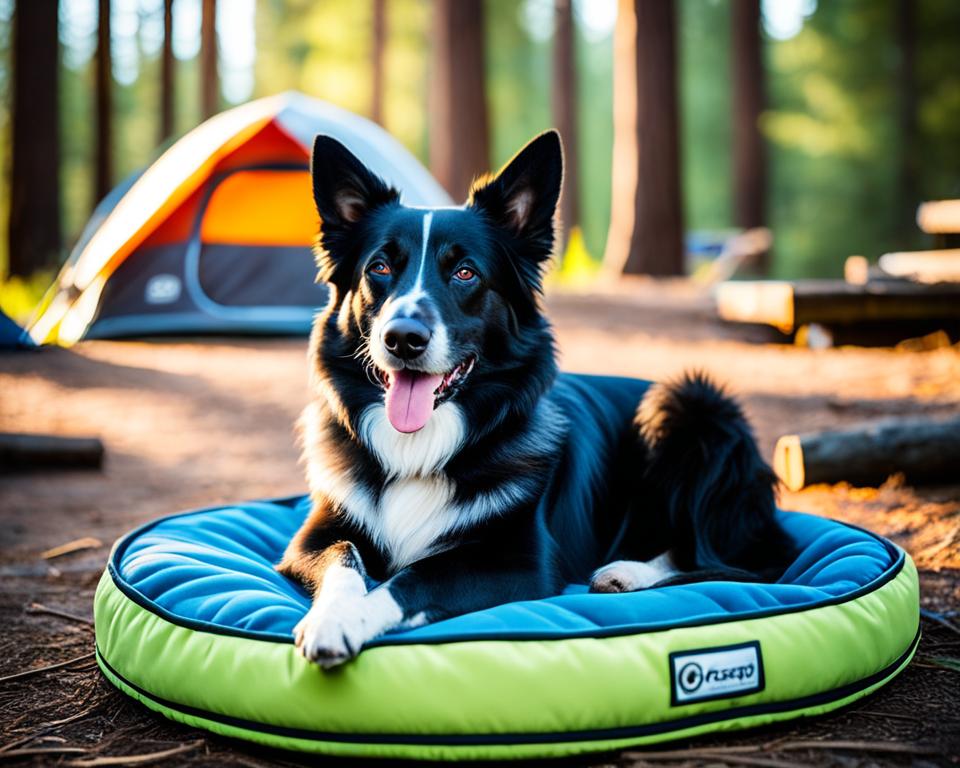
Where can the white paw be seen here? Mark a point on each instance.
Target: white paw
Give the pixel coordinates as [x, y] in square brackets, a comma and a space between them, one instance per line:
[333, 633]
[343, 618]
[628, 576]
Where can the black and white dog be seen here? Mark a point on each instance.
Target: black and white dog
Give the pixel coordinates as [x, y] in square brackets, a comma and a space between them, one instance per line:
[451, 468]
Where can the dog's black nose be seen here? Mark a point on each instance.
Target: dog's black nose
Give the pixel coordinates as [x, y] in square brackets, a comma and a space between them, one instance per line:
[405, 337]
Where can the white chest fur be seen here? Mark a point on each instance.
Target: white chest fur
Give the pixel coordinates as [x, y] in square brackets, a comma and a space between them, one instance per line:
[417, 454]
[414, 513]
[415, 506]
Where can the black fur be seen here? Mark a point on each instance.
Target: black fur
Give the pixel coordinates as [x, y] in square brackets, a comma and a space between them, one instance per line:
[706, 480]
[555, 475]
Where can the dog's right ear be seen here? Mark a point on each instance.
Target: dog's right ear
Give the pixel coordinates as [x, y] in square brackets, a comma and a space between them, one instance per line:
[344, 191]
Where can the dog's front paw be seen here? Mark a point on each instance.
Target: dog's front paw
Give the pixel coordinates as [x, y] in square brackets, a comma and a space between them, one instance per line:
[626, 576]
[333, 634]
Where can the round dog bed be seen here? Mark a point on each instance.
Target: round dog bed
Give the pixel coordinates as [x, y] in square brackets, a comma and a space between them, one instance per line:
[192, 620]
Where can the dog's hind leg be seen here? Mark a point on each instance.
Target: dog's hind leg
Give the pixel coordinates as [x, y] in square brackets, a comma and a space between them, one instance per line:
[705, 472]
[706, 494]
[632, 575]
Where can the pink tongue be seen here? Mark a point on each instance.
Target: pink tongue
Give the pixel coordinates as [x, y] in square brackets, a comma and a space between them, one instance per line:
[410, 399]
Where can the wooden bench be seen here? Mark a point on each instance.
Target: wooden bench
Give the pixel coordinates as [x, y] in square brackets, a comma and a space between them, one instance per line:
[788, 305]
[923, 266]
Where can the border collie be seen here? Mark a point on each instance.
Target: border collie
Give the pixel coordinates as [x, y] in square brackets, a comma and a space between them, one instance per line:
[451, 468]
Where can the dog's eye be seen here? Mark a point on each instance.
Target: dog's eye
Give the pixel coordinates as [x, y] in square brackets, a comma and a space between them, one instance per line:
[379, 268]
[465, 274]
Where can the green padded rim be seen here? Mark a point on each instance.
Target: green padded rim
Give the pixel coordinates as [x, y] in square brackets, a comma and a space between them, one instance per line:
[497, 699]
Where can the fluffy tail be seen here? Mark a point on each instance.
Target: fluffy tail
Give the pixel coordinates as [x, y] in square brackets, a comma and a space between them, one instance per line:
[707, 477]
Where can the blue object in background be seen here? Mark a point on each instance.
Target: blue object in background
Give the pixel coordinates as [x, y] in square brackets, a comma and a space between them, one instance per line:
[12, 336]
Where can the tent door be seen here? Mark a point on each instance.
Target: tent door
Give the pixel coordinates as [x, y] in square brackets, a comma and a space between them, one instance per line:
[250, 256]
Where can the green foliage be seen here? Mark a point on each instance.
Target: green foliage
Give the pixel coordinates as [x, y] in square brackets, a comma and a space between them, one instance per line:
[519, 99]
[407, 65]
[518, 78]
[324, 49]
[705, 102]
[832, 128]
[595, 93]
[839, 149]
[76, 148]
[938, 91]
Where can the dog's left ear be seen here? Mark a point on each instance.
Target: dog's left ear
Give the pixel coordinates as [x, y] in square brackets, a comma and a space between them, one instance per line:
[343, 188]
[522, 197]
[344, 191]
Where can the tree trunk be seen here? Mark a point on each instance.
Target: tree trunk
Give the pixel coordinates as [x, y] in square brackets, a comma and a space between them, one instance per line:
[459, 133]
[565, 114]
[34, 230]
[209, 77]
[379, 50]
[103, 178]
[646, 220]
[167, 85]
[749, 157]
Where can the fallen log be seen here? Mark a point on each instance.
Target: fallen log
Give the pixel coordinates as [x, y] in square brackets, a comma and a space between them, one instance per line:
[923, 451]
[26, 451]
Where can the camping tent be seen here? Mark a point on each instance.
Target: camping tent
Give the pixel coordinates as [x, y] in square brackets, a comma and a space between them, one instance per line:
[216, 235]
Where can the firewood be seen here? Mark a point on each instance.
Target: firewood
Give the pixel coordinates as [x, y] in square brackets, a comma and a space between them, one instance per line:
[27, 451]
[923, 451]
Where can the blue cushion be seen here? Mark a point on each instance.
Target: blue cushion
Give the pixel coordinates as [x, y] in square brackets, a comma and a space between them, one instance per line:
[214, 569]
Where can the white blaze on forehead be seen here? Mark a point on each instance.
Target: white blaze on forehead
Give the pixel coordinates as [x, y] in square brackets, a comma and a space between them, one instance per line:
[427, 221]
[408, 301]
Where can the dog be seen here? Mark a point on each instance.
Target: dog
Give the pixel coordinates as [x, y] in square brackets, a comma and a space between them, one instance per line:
[451, 467]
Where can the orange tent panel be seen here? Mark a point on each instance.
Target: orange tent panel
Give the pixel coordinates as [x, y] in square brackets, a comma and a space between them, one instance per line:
[261, 207]
[269, 146]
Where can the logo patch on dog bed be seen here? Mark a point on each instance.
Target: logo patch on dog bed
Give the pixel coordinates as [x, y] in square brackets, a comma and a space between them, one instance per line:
[715, 673]
[162, 289]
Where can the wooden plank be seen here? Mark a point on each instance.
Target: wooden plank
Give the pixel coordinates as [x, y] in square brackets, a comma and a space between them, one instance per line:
[789, 305]
[857, 270]
[930, 267]
[939, 217]
[924, 451]
[767, 302]
[25, 451]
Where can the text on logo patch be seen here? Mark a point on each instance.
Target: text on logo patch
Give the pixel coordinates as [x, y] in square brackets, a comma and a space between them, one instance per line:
[715, 673]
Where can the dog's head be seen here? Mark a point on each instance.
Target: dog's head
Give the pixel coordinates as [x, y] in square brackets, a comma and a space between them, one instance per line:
[437, 305]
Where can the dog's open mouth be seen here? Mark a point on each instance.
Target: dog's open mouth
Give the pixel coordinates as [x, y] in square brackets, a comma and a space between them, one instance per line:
[412, 395]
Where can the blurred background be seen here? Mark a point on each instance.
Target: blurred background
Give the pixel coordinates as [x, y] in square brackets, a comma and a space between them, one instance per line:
[827, 122]
[717, 139]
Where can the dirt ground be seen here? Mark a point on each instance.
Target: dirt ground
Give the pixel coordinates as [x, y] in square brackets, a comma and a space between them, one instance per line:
[191, 423]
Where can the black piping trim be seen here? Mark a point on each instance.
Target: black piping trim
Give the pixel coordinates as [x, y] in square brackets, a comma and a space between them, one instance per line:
[897, 555]
[599, 734]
